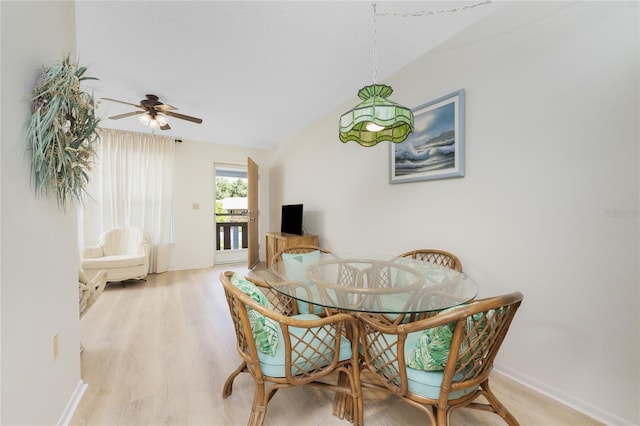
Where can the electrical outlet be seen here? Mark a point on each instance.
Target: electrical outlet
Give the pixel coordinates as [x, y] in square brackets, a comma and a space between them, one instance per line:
[54, 347]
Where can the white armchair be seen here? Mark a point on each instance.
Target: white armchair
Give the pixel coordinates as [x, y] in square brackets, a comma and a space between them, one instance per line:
[122, 252]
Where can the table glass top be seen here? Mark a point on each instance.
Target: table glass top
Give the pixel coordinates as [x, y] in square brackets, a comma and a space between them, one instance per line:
[377, 284]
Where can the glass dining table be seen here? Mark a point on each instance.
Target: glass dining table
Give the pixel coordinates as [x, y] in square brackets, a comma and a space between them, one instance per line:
[399, 289]
[387, 285]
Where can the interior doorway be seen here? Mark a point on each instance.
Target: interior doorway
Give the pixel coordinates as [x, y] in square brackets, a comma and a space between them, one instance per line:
[231, 213]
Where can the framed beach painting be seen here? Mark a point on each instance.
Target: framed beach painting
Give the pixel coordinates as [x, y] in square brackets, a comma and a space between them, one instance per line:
[435, 149]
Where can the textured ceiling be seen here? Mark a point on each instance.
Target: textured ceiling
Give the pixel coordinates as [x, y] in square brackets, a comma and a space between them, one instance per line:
[255, 71]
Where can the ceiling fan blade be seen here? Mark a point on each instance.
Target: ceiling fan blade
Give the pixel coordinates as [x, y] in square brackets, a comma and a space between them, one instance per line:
[165, 127]
[182, 116]
[164, 107]
[126, 114]
[123, 102]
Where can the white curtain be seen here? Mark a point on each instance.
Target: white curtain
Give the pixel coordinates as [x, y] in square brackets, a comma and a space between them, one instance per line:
[132, 185]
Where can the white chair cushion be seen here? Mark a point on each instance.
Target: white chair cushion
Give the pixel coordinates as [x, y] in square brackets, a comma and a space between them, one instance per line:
[111, 262]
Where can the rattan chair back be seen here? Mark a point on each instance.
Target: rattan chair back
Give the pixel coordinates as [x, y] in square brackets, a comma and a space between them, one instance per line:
[439, 257]
[299, 249]
[479, 330]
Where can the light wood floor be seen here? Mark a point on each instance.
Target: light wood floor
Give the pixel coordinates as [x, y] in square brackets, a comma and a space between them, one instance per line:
[158, 353]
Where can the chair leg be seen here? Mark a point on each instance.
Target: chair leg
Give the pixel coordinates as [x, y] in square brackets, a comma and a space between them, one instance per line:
[341, 400]
[228, 384]
[442, 416]
[500, 409]
[357, 398]
[259, 407]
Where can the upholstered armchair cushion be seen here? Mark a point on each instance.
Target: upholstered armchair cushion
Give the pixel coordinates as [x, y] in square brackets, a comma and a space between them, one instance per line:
[114, 261]
[93, 252]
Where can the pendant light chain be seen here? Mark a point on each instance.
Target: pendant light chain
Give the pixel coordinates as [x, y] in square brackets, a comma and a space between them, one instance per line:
[375, 49]
[405, 15]
[375, 59]
[434, 12]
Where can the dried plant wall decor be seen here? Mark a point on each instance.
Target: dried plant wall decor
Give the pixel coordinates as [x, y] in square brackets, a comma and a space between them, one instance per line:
[62, 132]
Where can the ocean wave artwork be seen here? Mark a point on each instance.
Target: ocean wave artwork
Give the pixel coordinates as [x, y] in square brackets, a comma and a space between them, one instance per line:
[432, 145]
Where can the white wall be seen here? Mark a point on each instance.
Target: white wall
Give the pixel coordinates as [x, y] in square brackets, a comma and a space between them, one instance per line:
[39, 275]
[194, 178]
[550, 201]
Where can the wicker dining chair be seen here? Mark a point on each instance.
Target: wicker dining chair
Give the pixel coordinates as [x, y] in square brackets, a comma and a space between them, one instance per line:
[90, 289]
[309, 348]
[305, 248]
[306, 254]
[446, 378]
[439, 257]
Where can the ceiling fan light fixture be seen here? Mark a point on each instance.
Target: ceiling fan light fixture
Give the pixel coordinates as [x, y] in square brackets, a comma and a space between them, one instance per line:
[162, 121]
[145, 119]
[153, 121]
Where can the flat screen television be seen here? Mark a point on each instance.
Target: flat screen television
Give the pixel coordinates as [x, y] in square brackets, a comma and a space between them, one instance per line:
[291, 222]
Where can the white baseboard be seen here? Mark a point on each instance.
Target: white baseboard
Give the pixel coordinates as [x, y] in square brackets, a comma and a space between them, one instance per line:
[70, 409]
[563, 397]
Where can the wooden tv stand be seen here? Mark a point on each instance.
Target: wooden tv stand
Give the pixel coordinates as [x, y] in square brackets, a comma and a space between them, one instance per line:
[277, 241]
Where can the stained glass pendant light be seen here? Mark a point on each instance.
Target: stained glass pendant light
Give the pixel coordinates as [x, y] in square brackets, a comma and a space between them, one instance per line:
[376, 119]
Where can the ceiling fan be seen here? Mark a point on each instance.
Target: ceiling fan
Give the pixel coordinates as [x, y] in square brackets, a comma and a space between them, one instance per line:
[154, 112]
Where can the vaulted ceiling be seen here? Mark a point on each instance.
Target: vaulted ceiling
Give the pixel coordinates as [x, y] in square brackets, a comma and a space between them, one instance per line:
[255, 71]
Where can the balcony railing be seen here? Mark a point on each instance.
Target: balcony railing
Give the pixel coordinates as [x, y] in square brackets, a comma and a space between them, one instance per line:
[232, 235]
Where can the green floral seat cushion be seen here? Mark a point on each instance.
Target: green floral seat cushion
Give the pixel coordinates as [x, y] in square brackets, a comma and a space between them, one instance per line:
[432, 348]
[265, 330]
[428, 383]
[420, 382]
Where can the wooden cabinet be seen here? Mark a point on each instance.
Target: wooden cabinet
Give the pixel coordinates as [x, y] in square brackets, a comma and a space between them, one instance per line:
[277, 241]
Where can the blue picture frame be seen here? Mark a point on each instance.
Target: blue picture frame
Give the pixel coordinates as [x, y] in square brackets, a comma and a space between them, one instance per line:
[435, 149]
